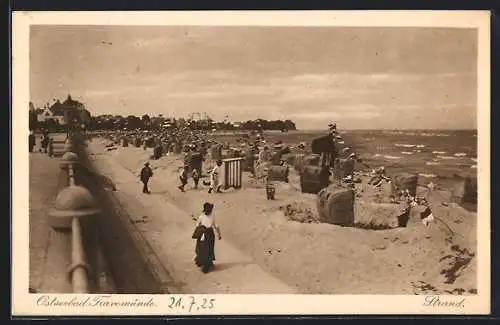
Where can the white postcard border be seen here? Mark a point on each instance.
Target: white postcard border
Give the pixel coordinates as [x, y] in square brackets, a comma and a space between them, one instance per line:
[29, 304]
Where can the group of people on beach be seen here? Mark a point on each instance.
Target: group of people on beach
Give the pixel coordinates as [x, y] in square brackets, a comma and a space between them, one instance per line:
[215, 184]
[195, 144]
[206, 228]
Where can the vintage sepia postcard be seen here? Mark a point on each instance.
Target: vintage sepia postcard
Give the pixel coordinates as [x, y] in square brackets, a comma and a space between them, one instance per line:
[228, 163]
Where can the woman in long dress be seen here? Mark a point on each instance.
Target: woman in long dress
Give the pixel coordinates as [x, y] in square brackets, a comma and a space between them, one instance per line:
[205, 238]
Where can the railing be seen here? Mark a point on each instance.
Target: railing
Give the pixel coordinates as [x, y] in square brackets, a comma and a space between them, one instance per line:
[233, 173]
[75, 211]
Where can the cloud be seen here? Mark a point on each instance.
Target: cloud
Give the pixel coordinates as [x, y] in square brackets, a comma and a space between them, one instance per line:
[96, 93]
[203, 94]
[298, 73]
[151, 43]
[346, 112]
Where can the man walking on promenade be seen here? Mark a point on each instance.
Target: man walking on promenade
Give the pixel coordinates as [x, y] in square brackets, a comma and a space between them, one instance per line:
[146, 174]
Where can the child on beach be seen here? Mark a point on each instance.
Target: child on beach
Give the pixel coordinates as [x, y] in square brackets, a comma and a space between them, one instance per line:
[215, 178]
[183, 177]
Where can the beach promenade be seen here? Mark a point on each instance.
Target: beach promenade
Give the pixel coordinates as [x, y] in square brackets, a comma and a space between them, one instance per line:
[262, 251]
[49, 251]
[167, 230]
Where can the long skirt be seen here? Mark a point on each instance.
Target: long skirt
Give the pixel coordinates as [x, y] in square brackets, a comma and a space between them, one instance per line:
[205, 253]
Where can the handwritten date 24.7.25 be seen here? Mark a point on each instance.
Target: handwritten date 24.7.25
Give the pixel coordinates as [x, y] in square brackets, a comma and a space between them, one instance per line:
[191, 304]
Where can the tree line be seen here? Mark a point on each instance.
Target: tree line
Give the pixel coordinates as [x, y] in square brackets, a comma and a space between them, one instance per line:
[77, 115]
[146, 122]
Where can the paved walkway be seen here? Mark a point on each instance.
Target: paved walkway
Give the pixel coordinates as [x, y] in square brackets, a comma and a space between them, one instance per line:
[50, 251]
[168, 230]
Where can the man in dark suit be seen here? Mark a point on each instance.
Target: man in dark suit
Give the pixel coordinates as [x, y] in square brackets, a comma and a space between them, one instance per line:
[146, 174]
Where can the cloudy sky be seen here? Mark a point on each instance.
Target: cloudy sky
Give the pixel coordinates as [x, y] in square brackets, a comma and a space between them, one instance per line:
[359, 77]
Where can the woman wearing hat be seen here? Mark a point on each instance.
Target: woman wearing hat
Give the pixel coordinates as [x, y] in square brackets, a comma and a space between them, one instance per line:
[145, 174]
[205, 238]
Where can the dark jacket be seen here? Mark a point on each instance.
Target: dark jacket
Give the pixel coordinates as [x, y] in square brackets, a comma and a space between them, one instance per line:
[45, 141]
[146, 173]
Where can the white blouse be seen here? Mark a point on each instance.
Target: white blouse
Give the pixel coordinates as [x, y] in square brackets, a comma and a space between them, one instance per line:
[207, 221]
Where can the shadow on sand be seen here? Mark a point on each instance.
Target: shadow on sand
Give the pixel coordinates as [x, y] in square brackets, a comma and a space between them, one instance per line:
[226, 266]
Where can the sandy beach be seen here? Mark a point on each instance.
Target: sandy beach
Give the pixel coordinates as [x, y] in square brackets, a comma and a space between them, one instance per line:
[317, 257]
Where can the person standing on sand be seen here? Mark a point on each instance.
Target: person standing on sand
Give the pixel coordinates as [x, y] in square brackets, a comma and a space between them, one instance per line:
[205, 238]
[331, 157]
[187, 155]
[264, 156]
[145, 175]
[215, 178]
[196, 174]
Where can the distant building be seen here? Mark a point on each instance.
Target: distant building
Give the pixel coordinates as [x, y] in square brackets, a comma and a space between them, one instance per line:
[54, 112]
[64, 112]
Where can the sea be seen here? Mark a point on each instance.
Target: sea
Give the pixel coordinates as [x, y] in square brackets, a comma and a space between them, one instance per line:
[442, 156]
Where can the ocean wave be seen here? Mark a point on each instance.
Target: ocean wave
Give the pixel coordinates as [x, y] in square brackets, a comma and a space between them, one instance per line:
[432, 163]
[427, 175]
[439, 152]
[405, 145]
[417, 150]
[434, 134]
[422, 134]
[387, 156]
[460, 154]
[392, 157]
[473, 166]
[420, 145]
[407, 152]
[446, 157]
[474, 159]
